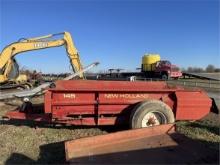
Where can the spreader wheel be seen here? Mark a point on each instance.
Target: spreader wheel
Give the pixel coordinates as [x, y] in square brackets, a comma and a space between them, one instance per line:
[151, 113]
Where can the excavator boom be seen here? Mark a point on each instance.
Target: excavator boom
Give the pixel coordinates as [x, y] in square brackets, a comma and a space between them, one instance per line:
[43, 42]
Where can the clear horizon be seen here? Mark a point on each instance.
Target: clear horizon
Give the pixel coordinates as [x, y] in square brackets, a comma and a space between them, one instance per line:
[115, 33]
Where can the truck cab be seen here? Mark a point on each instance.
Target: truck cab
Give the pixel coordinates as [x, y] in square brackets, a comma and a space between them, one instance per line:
[167, 70]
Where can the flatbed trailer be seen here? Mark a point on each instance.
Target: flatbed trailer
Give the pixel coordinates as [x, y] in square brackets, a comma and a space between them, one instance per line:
[139, 104]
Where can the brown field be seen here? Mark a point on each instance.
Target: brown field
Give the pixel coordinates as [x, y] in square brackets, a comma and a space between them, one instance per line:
[209, 85]
[213, 75]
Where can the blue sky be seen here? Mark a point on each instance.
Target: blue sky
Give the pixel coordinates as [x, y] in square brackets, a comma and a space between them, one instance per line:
[115, 33]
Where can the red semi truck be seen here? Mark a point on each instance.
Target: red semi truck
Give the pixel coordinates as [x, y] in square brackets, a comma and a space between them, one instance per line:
[139, 104]
[165, 70]
[151, 67]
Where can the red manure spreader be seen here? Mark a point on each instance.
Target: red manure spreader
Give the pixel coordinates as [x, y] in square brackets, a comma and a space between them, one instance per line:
[139, 104]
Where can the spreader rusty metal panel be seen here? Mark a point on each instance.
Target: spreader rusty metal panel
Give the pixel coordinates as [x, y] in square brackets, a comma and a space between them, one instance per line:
[158, 144]
[115, 142]
[90, 85]
[101, 102]
[192, 105]
[81, 102]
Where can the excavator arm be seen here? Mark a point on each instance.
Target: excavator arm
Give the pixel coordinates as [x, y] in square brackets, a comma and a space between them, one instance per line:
[24, 45]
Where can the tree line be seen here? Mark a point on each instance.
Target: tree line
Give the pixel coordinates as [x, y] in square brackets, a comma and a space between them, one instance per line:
[209, 69]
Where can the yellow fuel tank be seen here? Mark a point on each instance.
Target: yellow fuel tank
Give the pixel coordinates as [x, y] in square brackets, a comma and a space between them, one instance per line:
[149, 61]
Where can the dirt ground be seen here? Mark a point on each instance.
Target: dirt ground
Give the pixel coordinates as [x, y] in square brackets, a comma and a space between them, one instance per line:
[25, 143]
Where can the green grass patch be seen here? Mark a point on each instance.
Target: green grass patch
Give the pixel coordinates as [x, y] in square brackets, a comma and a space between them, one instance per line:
[204, 131]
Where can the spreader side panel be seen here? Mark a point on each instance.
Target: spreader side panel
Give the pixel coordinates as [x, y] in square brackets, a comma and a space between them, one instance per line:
[192, 105]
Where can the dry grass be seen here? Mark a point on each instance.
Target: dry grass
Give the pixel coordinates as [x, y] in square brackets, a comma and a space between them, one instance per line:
[206, 130]
[24, 142]
[34, 144]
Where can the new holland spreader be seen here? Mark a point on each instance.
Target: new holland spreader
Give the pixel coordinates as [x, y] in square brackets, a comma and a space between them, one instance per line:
[139, 104]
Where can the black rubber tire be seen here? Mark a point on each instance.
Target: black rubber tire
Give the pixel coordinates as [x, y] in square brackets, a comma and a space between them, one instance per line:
[27, 86]
[142, 108]
[164, 76]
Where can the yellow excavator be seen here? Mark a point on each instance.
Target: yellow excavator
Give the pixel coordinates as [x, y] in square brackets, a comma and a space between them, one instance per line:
[9, 69]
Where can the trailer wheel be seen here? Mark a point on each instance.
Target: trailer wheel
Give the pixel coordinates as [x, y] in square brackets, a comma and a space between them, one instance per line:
[164, 76]
[150, 113]
[27, 86]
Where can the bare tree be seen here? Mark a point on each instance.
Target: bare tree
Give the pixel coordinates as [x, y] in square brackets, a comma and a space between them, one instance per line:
[210, 68]
[217, 69]
[190, 69]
